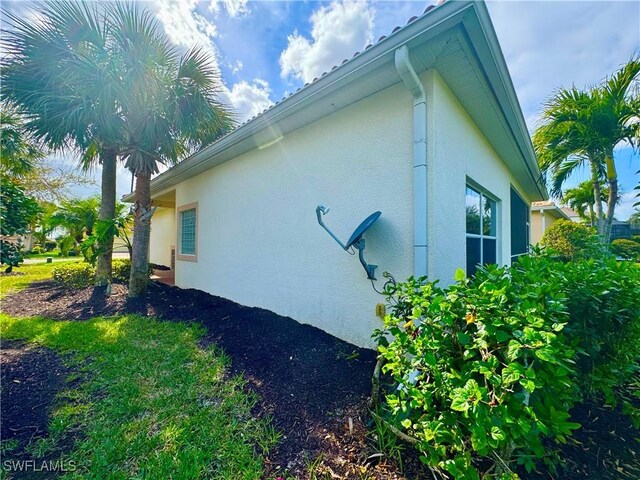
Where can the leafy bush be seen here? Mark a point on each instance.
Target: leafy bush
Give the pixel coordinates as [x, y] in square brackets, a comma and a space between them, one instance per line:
[65, 244]
[80, 275]
[572, 241]
[36, 249]
[625, 248]
[74, 276]
[482, 367]
[50, 245]
[603, 302]
[495, 363]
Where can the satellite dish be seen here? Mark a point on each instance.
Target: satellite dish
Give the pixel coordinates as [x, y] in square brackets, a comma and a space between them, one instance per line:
[363, 227]
[356, 240]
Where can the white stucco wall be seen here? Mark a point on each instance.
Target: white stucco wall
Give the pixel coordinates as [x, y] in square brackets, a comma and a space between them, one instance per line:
[259, 242]
[163, 236]
[457, 150]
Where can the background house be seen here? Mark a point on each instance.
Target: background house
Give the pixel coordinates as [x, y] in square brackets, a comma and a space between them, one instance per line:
[424, 126]
[543, 215]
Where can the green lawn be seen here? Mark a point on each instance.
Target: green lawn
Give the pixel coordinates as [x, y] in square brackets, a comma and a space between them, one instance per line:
[148, 400]
[23, 275]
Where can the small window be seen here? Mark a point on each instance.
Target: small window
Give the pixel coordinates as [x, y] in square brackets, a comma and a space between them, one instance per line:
[482, 239]
[187, 232]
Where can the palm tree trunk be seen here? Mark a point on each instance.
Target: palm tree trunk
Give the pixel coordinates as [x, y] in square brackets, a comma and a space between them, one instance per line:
[597, 195]
[141, 233]
[612, 199]
[107, 212]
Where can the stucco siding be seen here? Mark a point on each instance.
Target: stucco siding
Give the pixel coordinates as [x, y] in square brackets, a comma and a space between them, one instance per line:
[163, 236]
[458, 153]
[259, 242]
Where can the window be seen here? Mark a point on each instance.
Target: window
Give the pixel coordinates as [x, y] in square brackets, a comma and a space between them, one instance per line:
[482, 241]
[187, 232]
[519, 226]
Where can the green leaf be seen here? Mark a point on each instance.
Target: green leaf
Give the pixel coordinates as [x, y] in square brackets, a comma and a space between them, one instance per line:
[460, 275]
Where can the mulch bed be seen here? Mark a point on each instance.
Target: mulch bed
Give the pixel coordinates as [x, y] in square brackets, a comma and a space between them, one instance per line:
[31, 377]
[312, 384]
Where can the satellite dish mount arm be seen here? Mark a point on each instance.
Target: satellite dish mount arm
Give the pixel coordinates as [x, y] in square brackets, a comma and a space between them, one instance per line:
[320, 211]
[356, 239]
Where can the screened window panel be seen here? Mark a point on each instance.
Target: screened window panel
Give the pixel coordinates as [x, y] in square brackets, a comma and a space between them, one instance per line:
[489, 251]
[472, 203]
[188, 232]
[519, 225]
[473, 255]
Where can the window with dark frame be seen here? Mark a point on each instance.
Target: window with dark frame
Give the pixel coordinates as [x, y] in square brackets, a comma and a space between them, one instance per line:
[519, 226]
[482, 238]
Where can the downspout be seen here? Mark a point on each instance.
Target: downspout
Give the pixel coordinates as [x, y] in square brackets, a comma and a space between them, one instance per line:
[412, 82]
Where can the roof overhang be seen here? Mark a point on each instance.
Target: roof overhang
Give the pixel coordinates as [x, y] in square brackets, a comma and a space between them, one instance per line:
[552, 209]
[457, 39]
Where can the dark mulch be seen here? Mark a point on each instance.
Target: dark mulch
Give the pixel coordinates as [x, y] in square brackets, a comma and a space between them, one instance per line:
[308, 381]
[607, 447]
[31, 377]
[312, 383]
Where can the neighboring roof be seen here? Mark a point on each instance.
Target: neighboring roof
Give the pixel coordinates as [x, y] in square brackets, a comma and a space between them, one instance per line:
[548, 205]
[570, 213]
[456, 38]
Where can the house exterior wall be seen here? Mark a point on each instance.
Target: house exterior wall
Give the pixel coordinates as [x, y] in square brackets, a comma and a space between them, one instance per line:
[163, 236]
[258, 239]
[259, 242]
[538, 227]
[458, 153]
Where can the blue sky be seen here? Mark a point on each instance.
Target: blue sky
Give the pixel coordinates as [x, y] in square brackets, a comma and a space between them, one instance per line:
[266, 49]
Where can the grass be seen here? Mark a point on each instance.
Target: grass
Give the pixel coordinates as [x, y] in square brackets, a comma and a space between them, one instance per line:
[146, 400]
[23, 275]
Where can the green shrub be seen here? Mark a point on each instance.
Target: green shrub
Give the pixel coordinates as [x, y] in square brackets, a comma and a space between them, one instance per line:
[36, 249]
[635, 238]
[625, 248]
[65, 244]
[122, 270]
[572, 241]
[50, 245]
[603, 302]
[74, 276]
[482, 367]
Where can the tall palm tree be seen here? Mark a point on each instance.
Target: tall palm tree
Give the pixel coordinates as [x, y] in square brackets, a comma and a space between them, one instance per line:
[171, 109]
[582, 127]
[580, 198]
[61, 74]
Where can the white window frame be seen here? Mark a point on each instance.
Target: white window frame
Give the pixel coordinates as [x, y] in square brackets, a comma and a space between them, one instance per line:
[484, 194]
[179, 255]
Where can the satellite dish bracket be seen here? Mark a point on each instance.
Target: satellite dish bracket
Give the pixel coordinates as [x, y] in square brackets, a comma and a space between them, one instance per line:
[356, 240]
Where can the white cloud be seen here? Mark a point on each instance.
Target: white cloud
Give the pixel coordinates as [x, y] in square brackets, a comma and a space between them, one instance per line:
[553, 44]
[184, 25]
[625, 208]
[338, 31]
[187, 27]
[248, 99]
[233, 7]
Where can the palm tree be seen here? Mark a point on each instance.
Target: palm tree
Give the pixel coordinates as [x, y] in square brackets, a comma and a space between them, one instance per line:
[171, 109]
[580, 198]
[60, 75]
[581, 127]
[18, 150]
[77, 216]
